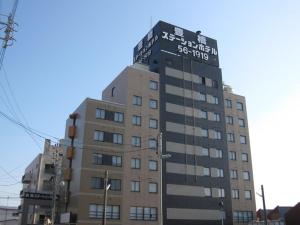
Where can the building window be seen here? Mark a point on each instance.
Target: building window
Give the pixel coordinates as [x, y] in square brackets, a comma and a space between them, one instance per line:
[113, 91]
[214, 84]
[217, 135]
[152, 187]
[216, 117]
[220, 173]
[140, 213]
[235, 194]
[97, 159]
[229, 119]
[116, 161]
[153, 123]
[100, 113]
[244, 157]
[233, 174]
[206, 171]
[152, 143]
[150, 213]
[136, 120]
[204, 151]
[97, 183]
[207, 192]
[215, 100]
[112, 211]
[203, 114]
[248, 194]
[246, 175]
[135, 163]
[98, 135]
[118, 117]
[95, 211]
[152, 165]
[135, 186]
[137, 100]
[232, 155]
[242, 216]
[202, 97]
[212, 99]
[115, 184]
[239, 106]
[242, 139]
[118, 139]
[221, 192]
[228, 103]
[136, 141]
[219, 153]
[230, 137]
[153, 85]
[136, 213]
[204, 132]
[241, 122]
[153, 104]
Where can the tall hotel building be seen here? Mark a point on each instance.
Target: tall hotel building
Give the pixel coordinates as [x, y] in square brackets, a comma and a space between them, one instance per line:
[163, 119]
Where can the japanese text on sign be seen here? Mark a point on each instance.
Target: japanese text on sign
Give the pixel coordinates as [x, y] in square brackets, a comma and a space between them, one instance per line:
[197, 48]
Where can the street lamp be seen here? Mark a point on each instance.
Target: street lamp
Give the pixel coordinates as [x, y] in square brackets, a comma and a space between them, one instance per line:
[162, 157]
[106, 187]
[262, 195]
[221, 205]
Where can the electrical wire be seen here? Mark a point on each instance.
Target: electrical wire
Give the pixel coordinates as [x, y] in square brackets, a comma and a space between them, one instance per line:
[5, 171]
[78, 147]
[7, 185]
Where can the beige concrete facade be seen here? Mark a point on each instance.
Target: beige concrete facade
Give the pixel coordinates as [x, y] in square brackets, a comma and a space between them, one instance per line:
[117, 97]
[83, 169]
[240, 204]
[136, 79]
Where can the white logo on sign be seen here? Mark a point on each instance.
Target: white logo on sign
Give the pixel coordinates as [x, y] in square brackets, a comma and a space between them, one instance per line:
[140, 45]
[150, 35]
[202, 39]
[178, 31]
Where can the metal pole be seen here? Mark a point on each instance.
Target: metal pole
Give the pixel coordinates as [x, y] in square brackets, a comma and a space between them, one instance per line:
[105, 198]
[54, 187]
[161, 179]
[5, 218]
[264, 204]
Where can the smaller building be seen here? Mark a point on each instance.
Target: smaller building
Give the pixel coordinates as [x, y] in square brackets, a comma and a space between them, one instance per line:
[292, 215]
[8, 215]
[38, 184]
[275, 216]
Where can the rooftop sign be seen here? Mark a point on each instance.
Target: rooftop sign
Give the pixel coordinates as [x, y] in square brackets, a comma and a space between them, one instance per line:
[177, 41]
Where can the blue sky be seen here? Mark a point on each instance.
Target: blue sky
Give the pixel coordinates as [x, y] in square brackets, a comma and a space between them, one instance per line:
[68, 50]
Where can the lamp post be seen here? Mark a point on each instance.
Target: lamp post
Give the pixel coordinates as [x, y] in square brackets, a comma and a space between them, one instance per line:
[262, 195]
[161, 157]
[221, 205]
[106, 187]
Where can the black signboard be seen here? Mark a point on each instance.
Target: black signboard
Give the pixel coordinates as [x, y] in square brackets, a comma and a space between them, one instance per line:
[177, 41]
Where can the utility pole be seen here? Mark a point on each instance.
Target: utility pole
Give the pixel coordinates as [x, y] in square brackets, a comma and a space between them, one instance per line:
[55, 155]
[264, 204]
[161, 173]
[8, 38]
[5, 218]
[161, 158]
[106, 187]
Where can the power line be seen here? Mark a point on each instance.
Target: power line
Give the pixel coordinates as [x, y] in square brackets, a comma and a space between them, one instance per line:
[18, 106]
[7, 185]
[5, 171]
